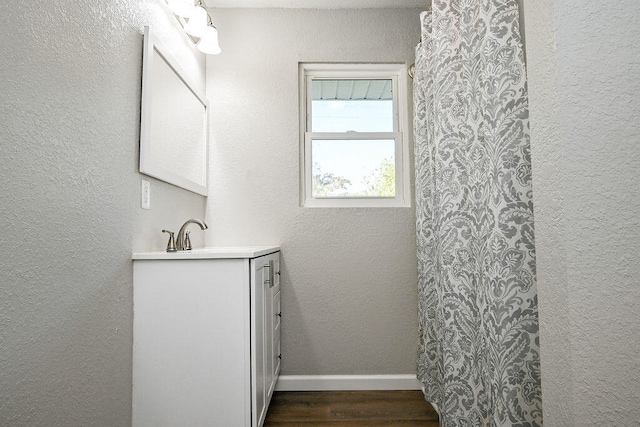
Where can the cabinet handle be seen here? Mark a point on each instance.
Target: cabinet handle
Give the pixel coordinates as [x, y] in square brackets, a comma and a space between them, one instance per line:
[269, 280]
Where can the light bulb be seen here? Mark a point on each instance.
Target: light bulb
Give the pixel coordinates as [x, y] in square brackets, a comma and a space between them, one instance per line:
[181, 8]
[197, 22]
[208, 43]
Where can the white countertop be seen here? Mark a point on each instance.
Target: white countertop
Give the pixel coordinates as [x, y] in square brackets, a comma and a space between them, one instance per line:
[209, 253]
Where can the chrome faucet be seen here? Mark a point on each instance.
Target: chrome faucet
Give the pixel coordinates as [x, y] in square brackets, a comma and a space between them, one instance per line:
[182, 243]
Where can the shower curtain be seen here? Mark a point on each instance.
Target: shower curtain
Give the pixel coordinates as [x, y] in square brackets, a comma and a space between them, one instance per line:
[478, 355]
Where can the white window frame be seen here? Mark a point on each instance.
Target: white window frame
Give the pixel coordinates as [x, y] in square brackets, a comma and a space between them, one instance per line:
[397, 74]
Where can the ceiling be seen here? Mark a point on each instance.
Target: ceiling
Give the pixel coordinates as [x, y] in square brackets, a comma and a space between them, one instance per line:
[318, 4]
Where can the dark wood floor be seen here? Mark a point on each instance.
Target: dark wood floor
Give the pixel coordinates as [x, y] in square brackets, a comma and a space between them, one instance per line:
[350, 408]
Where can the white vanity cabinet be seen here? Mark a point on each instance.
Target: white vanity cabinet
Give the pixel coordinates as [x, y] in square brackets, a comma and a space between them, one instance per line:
[206, 336]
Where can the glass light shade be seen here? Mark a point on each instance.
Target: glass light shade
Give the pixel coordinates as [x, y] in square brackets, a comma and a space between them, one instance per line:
[209, 42]
[197, 22]
[181, 8]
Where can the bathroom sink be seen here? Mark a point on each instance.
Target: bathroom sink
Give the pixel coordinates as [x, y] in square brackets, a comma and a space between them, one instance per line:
[216, 252]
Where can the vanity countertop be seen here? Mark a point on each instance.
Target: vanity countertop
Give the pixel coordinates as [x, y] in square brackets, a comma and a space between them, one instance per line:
[209, 253]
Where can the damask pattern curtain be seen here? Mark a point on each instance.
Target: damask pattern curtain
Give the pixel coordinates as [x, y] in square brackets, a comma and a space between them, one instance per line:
[479, 349]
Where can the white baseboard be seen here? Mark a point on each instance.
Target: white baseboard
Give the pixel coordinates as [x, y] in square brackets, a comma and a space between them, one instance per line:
[347, 382]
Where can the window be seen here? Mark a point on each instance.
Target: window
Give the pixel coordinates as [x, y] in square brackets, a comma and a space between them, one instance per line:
[353, 148]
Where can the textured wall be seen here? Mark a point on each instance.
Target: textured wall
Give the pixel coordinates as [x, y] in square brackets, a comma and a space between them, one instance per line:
[585, 136]
[70, 209]
[349, 275]
[599, 88]
[549, 214]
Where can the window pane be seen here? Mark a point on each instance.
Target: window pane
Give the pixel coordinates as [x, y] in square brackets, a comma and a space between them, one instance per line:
[353, 168]
[352, 105]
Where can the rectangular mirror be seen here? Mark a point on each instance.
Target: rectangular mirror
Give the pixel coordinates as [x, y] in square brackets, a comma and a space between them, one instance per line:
[174, 121]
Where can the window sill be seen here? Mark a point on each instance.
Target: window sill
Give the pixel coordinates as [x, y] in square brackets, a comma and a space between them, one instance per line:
[372, 202]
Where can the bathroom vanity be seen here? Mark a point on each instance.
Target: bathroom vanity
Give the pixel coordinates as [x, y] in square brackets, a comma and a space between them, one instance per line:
[206, 336]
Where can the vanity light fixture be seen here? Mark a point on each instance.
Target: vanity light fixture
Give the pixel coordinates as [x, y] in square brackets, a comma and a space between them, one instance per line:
[208, 43]
[197, 24]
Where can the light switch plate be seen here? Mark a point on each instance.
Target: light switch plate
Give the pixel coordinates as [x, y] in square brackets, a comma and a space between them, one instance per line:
[145, 194]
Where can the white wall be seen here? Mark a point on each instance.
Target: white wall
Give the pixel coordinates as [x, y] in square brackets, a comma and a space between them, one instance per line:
[349, 296]
[583, 63]
[70, 205]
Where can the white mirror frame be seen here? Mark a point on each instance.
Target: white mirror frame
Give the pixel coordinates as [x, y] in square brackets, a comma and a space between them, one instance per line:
[148, 164]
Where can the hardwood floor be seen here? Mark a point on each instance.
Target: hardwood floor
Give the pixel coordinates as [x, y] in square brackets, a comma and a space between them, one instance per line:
[350, 408]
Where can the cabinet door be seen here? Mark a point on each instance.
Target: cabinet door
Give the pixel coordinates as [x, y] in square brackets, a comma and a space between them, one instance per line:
[261, 344]
[276, 355]
[273, 327]
[263, 321]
